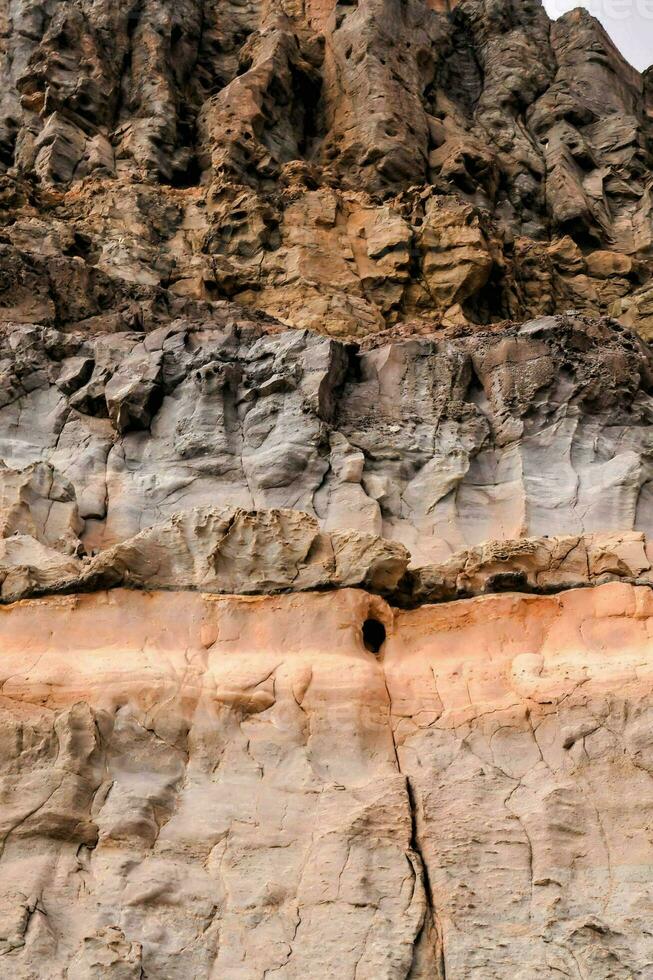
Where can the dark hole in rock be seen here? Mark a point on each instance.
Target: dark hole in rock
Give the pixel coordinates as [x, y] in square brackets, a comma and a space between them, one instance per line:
[373, 635]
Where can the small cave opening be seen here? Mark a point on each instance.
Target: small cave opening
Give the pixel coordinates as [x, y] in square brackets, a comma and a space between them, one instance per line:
[373, 635]
[189, 174]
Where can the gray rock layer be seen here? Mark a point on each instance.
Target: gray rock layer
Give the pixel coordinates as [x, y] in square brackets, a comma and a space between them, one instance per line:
[543, 429]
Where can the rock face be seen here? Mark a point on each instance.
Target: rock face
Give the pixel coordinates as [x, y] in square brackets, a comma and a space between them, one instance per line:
[437, 444]
[342, 166]
[326, 492]
[222, 552]
[232, 787]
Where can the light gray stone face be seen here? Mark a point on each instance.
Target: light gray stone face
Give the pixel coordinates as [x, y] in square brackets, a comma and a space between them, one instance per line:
[436, 444]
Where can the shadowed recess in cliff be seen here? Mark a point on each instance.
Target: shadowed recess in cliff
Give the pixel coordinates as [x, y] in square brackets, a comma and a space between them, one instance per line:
[373, 635]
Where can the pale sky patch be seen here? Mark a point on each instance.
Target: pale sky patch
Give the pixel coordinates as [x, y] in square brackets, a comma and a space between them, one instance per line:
[628, 22]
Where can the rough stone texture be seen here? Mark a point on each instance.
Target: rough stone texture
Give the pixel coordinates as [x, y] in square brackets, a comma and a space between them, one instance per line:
[238, 788]
[343, 166]
[264, 552]
[321, 325]
[532, 565]
[438, 444]
[215, 551]
[37, 502]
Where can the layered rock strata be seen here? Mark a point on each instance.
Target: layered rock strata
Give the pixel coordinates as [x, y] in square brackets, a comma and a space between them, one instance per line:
[326, 508]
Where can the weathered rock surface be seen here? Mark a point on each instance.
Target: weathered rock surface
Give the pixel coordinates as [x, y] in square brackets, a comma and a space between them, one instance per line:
[321, 325]
[341, 166]
[240, 552]
[215, 551]
[532, 565]
[237, 787]
[439, 444]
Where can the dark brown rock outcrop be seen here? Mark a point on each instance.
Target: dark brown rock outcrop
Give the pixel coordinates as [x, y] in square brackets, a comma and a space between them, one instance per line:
[344, 167]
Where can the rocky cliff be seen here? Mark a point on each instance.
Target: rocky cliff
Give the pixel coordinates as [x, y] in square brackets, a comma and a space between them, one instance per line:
[345, 167]
[219, 787]
[326, 492]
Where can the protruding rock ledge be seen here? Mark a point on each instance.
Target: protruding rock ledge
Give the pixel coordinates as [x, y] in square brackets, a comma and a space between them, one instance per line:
[535, 565]
[212, 550]
[239, 552]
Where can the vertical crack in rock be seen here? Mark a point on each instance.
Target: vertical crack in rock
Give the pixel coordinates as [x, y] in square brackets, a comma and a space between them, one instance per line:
[428, 944]
[431, 931]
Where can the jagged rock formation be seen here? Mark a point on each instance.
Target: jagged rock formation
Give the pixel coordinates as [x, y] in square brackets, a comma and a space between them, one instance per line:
[341, 166]
[326, 492]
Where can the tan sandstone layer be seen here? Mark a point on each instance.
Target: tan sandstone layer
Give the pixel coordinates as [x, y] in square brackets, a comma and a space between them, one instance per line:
[236, 787]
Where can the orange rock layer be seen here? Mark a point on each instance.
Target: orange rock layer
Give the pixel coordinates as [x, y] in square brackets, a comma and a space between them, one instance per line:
[202, 786]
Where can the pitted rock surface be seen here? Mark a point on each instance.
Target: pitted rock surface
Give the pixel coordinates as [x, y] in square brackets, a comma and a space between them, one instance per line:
[344, 167]
[326, 492]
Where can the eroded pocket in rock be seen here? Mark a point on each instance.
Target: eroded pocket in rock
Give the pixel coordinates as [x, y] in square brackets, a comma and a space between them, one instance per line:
[374, 635]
